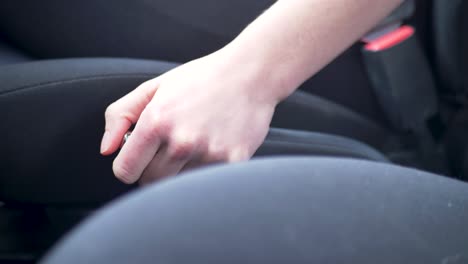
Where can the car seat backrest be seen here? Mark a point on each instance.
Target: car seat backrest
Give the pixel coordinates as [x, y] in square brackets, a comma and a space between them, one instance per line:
[450, 43]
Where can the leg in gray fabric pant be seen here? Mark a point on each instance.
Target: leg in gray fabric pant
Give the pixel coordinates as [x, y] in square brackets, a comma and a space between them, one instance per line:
[290, 210]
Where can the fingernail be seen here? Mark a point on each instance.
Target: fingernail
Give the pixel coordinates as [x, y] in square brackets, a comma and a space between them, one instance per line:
[105, 142]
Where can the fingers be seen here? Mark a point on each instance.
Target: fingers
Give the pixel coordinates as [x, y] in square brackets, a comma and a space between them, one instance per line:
[148, 155]
[125, 112]
[162, 153]
[216, 155]
[238, 155]
[141, 147]
[169, 161]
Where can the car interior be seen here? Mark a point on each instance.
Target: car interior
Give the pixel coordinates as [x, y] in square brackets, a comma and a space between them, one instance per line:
[398, 96]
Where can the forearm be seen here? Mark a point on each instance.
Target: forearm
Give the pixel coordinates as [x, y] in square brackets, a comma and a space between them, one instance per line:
[294, 39]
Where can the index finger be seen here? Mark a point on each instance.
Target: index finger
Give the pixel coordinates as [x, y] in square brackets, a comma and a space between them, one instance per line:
[125, 112]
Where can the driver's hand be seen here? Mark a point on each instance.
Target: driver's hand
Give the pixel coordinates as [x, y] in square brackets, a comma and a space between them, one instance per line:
[206, 111]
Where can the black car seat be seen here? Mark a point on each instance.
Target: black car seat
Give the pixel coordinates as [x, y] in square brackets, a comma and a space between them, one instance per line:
[450, 38]
[9, 55]
[165, 30]
[269, 211]
[52, 112]
[51, 170]
[43, 102]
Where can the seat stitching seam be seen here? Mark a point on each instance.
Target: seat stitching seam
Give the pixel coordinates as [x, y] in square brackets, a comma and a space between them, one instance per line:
[73, 80]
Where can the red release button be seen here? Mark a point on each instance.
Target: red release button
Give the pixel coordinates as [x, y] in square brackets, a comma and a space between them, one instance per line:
[391, 39]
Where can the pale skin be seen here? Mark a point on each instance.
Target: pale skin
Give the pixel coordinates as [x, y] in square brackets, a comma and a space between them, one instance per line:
[218, 108]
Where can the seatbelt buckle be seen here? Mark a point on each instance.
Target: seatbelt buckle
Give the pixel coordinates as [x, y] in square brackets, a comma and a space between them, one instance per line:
[403, 83]
[405, 88]
[401, 78]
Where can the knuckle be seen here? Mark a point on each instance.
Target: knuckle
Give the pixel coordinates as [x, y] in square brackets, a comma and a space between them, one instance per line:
[156, 127]
[181, 149]
[151, 130]
[238, 155]
[110, 111]
[113, 111]
[147, 177]
[146, 83]
[122, 173]
[218, 154]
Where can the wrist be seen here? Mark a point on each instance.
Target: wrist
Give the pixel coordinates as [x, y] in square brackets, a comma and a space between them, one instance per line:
[267, 78]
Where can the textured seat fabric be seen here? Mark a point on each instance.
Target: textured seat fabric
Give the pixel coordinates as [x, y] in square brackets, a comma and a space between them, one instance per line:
[304, 111]
[53, 115]
[291, 210]
[450, 43]
[293, 142]
[54, 112]
[174, 30]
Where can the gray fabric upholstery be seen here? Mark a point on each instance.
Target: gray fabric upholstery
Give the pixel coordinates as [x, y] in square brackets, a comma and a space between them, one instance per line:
[292, 142]
[53, 115]
[174, 30]
[449, 30]
[276, 211]
[9, 55]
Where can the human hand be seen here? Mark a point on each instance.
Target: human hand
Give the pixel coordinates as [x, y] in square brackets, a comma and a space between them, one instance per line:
[207, 111]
